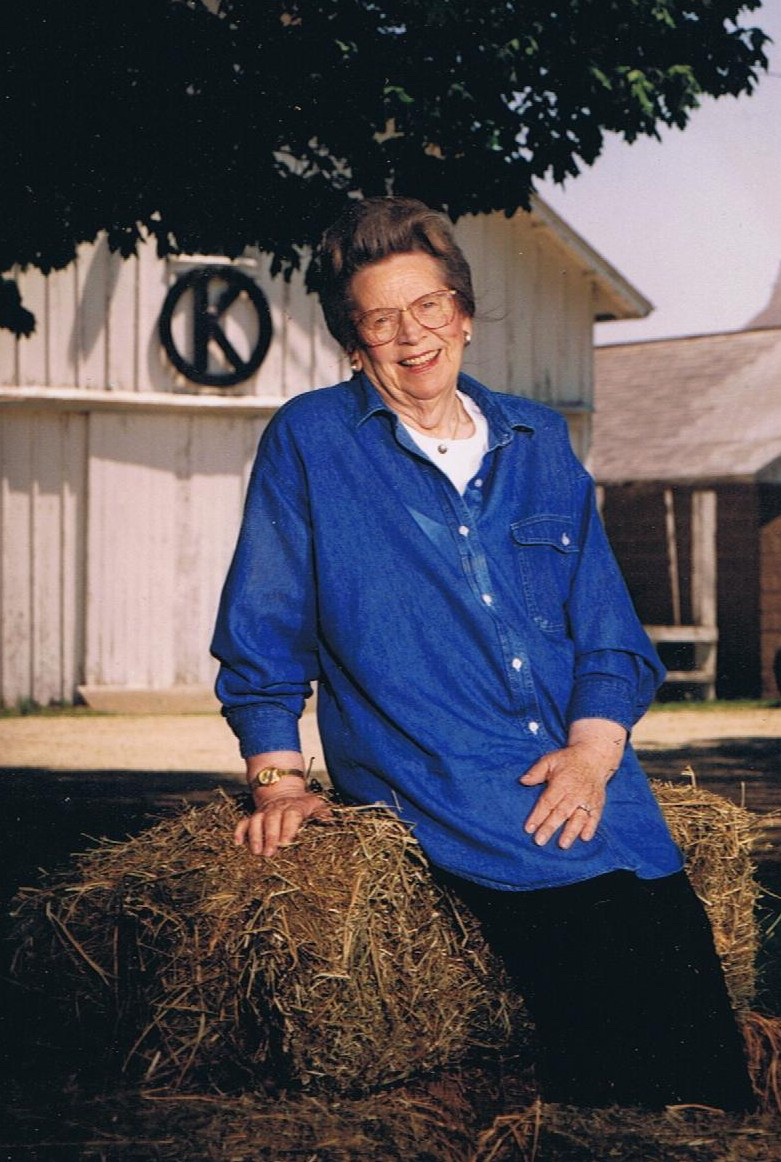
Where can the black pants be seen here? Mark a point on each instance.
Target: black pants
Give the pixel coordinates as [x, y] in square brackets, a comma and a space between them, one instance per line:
[625, 988]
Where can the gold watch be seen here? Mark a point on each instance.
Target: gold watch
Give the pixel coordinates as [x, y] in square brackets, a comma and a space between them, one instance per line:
[266, 776]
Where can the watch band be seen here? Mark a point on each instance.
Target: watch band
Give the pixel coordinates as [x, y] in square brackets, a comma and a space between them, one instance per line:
[267, 776]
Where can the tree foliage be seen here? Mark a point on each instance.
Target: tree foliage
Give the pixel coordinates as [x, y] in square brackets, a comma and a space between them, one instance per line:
[249, 122]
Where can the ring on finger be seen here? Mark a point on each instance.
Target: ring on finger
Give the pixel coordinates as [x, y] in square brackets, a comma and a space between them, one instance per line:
[584, 807]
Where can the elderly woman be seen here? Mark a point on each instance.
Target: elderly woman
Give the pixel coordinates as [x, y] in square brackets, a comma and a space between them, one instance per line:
[429, 551]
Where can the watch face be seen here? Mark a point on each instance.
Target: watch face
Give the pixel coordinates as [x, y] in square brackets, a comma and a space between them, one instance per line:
[268, 775]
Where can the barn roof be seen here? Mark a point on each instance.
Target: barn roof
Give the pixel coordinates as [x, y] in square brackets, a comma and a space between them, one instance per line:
[701, 408]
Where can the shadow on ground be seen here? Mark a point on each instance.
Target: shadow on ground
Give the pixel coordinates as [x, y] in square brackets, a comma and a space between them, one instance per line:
[47, 815]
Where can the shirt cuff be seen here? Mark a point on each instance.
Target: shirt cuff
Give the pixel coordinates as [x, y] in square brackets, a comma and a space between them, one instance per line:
[599, 696]
[260, 729]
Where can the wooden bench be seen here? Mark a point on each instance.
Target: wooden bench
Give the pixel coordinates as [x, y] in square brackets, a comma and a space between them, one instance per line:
[705, 639]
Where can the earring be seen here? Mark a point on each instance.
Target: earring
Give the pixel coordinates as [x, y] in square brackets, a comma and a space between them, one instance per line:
[467, 338]
[355, 364]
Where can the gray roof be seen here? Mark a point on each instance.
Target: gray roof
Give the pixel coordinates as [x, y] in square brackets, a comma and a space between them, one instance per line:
[693, 409]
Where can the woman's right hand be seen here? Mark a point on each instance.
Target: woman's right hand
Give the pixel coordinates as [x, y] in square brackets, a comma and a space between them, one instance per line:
[276, 820]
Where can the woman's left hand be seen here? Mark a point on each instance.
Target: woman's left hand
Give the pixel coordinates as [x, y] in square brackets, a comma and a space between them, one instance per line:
[577, 776]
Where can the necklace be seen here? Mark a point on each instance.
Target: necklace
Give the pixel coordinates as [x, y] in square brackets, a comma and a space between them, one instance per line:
[443, 446]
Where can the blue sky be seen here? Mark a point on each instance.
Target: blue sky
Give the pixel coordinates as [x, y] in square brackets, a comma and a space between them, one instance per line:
[693, 221]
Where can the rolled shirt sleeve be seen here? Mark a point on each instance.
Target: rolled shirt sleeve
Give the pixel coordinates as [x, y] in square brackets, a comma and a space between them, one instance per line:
[617, 669]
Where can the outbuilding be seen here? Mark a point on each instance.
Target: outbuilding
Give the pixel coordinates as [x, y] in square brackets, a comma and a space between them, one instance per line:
[687, 451]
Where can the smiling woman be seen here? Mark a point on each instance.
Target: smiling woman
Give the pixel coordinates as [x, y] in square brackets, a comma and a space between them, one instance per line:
[416, 368]
[430, 553]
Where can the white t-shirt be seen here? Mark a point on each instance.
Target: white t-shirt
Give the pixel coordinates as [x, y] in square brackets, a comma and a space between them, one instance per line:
[458, 459]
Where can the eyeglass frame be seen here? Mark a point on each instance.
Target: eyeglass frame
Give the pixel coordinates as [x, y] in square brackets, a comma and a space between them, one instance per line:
[402, 311]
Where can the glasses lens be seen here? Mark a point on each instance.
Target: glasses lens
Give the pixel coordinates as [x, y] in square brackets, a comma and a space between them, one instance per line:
[380, 326]
[433, 310]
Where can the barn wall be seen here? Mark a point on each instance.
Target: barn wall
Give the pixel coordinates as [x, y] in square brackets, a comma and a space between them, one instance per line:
[97, 321]
[634, 517]
[43, 506]
[738, 592]
[770, 589]
[96, 328]
[535, 310]
[117, 530]
[122, 484]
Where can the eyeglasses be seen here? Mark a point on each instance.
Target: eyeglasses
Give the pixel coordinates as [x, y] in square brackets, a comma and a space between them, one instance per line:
[432, 311]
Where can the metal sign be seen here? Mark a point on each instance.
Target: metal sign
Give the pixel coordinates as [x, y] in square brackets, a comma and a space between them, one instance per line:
[213, 290]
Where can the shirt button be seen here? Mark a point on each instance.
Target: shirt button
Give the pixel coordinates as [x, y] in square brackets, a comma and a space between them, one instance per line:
[464, 530]
[478, 483]
[565, 540]
[488, 599]
[517, 663]
[534, 727]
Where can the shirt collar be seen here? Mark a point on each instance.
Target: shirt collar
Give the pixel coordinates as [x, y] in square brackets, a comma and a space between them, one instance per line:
[500, 411]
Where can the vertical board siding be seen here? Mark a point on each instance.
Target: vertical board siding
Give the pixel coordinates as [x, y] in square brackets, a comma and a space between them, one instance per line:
[130, 559]
[482, 359]
[519, 276]
[42, 511]
[737, 581]
[770, 589]
[166, 495]
[32, 366]
[7, 356]
[580, 435]
[532, 332]
[269, 379]
[92, 298]
[62, 328]
[153, 369]
[215, 456]
[73, 541]
[46, 549]
[16, 440]
[121, 306]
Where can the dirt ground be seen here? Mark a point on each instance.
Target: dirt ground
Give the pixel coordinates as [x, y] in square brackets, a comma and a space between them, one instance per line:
[203, 742]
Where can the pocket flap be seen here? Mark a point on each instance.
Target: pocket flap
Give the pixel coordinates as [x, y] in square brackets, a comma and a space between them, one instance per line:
[557, 532]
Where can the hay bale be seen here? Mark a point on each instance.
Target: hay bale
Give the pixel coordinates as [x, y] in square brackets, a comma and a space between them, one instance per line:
[716, 837]
[337, 964]
[762, 1037]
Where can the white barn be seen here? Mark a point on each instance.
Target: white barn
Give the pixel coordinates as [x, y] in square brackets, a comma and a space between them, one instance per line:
[122, 481]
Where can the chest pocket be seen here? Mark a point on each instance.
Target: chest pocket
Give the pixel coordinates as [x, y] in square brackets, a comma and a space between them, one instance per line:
[547, 558]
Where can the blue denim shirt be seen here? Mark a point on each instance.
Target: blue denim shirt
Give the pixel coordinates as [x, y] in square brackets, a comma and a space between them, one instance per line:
[454, 638]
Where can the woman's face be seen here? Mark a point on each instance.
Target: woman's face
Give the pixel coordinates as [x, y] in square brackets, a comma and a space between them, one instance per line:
[420, 364]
